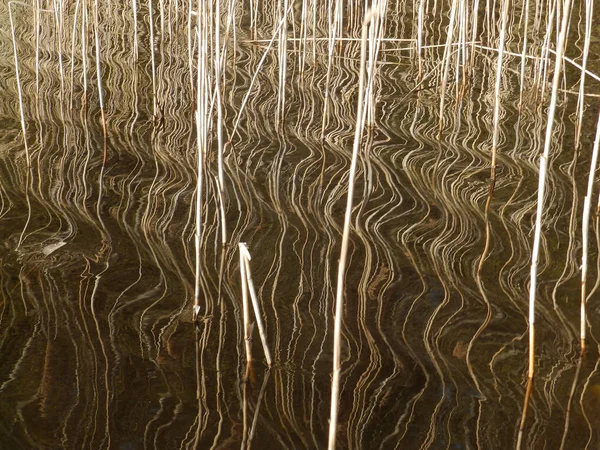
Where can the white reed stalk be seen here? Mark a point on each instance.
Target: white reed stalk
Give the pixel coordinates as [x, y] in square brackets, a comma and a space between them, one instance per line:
[589, 7]
[153, 60]
[474, 30]
[246, 310]
[497, 90]
[337, 336]
[36, 24]
[261, 329]
[99, 73]
[201, 138]
[19, 90]
[217, 66]
[446, 64]
[524, 54]
[135, 29]
[282, 56]
[258, 67]
[59, 29]
[585, 232]
[221, 212]
[84, 33]
[333, 27]
[420, 38]
[542, 184]
[73, 34]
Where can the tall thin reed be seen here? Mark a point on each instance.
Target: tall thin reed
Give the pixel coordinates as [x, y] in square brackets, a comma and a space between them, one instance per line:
[99, 74]
[18, 77]
[587, 206]
[496, 128]
[589, 7]
[339, 298]
[220, 125]
[542, 184]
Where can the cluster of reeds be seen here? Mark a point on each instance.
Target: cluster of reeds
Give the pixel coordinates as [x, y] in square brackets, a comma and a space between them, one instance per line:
[211, 29]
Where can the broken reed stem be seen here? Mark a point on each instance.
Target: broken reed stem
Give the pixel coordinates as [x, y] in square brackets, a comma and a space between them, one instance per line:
[337, 332]
[542, 184]
[246, 310]
[255, 306]
[585, 232]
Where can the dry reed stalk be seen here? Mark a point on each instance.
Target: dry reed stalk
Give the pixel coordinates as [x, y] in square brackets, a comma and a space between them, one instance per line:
[282, 57]
[587, 204]
[217, 67]
[542, 183]
[258, 67]
[58, 19]
[540, 78]
[246, 310]
[73, 35]
[332, 38]
[589, 7]
[152, 59]
[370, 15]
[84, 23]
[36, 24]
[376, 34]
[221, 212]
[446, 64]
[462, 46]
[496, 126]
[134, 8]
[202, 97]
[528, 391]
[524, 54]
[420, 39]
[23, 126]
[250, 285]
[18, 77]
[99, 75]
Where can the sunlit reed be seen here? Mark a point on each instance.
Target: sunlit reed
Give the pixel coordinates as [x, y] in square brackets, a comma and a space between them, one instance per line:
[370, 16]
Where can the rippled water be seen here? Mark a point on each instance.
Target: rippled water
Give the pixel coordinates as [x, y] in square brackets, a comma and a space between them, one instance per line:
[98, 349]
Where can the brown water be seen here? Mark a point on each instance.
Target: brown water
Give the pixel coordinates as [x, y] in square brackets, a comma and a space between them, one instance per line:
[98, 349]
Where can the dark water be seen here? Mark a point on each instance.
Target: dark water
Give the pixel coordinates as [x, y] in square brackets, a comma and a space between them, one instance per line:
[98, 349]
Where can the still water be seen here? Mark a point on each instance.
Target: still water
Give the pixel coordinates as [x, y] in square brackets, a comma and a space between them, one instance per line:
[97, 345]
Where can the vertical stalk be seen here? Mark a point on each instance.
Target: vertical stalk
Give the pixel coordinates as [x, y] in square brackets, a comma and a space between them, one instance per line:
[542, 183]
[589, 7]
[337, 337]
[587, 204]
[497, 91]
